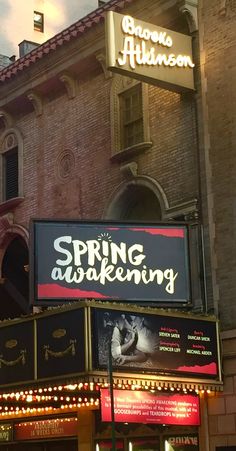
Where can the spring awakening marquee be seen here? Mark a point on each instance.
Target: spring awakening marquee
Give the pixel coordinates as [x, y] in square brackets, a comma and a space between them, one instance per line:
[149, 53]
[116, 261]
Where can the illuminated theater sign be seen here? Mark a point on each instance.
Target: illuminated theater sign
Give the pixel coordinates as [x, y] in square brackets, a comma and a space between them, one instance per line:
[143, 407]
[149, 53]
[115, 261]
[155, 343]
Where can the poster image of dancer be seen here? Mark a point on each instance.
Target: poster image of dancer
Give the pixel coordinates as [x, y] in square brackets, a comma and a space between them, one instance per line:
[132, 342]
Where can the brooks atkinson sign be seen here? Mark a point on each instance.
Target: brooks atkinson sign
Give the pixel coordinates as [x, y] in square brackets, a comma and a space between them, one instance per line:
[149, 53]
[74, 260]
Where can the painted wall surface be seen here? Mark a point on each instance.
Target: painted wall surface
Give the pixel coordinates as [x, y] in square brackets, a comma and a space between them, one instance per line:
[17, 20]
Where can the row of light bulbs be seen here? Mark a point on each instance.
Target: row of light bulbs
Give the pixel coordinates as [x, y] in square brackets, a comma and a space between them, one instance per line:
[65, 396]
[15, 411]
[47, 422]
[46, 394]
[47, 391]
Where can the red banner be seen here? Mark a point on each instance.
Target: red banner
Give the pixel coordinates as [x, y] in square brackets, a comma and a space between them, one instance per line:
[144, 407]
[57, 427]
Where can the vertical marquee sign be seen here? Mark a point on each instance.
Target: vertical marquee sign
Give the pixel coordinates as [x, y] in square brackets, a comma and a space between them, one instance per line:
[149, 53]
[76, 260]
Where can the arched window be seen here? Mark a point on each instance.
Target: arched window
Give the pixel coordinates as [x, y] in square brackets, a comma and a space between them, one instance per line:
[11, 165]
[140, 203]
[140, 199]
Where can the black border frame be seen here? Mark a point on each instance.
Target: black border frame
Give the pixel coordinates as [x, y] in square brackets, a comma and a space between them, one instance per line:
[148, 302]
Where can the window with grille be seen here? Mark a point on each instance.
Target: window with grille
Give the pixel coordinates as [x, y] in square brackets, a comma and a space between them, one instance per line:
[131, 116]
[10, 176]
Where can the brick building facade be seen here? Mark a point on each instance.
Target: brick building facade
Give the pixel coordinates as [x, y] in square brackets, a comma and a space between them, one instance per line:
[218, 71]
[63, 138]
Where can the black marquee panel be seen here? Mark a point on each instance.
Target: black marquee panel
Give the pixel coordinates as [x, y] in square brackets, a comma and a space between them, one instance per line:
[67, 342]
[17, 353]
[109, 261]
[60, 344]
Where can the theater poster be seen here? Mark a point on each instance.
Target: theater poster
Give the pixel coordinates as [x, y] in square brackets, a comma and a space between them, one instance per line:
[155, 343]
[109, 261]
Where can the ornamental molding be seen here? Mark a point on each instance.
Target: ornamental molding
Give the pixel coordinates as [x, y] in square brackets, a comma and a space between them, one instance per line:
[37, 102]
[70, 84]
[6, 222]
[189, 9]
[129, 170]
[7, 118]
[188, 209]
[8, 229]
[223, 7]
[102, 60]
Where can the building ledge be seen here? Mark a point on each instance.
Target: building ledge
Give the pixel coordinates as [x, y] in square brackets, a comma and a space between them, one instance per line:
[157, 382]
[128, 152]
[11, 204]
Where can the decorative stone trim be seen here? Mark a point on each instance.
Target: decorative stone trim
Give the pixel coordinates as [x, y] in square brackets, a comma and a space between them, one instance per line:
[189, 8]
[102, 60]
[155, 382]
[140, 181]
[37, 102]
[125, 154]
[7, 118]
[222, 9]
[6, 221]
[8, 231]
[70, 85]
[65, 165]
[188, 209]
[9, 142]
[129, 170]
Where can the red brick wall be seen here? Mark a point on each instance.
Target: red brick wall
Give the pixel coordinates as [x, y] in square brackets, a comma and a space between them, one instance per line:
[219, 40]
[222, 407]
[82, 126]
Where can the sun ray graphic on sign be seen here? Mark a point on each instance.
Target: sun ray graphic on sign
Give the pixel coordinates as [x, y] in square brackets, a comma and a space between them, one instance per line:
[104, 236]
